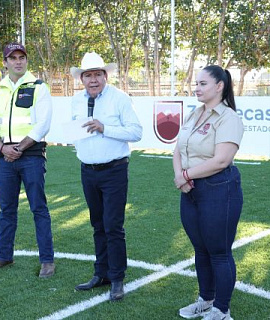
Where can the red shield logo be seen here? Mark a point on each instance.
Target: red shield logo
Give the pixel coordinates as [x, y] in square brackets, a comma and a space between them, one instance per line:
[167, 118]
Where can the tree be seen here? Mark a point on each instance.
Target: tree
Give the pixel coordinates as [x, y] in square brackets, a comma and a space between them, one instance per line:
[224, 7]
[198, 23]
[121, 21]
[155, 40]
[249, 36]
[61, 32]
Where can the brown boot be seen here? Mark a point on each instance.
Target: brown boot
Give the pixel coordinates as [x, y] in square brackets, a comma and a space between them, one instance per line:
[5, 263]
[47, 270]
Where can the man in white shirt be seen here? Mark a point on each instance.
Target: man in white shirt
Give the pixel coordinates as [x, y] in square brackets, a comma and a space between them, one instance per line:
[104, 157]
[25, 117]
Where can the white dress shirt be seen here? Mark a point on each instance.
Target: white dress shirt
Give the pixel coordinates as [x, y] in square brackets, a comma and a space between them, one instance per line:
[114, 109]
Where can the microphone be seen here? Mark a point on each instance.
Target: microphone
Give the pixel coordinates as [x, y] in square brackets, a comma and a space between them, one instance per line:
[91, 104]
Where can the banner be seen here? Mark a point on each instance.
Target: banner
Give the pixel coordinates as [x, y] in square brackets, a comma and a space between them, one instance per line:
[162, 117]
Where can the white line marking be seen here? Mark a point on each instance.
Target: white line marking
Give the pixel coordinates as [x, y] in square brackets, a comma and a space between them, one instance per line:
[239, 285]
[78, 307]
[254, 237]
[252, 290]
[151, 156]
[170, 157]
[145, 265]
[134, 285]
[85, 257]
[252, 163]
[161, 272]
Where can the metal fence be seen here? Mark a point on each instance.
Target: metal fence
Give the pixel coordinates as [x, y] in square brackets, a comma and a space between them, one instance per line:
[67, 87]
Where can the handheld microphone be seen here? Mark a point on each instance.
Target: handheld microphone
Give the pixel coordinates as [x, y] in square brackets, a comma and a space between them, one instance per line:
[91, 104]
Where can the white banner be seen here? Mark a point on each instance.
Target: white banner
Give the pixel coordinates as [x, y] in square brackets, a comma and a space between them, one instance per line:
[161, 118]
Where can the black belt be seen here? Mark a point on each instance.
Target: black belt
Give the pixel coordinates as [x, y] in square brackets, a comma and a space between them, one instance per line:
[104, 166]
[38, 149]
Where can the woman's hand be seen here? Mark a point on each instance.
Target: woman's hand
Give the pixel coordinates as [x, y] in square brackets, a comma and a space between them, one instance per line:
[186, 187]
[182, 184]
[179, 180]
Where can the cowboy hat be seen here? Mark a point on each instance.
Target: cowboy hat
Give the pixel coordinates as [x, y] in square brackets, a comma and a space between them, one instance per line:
[91, 61]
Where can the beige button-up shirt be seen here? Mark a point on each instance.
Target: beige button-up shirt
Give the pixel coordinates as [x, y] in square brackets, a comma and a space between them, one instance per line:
[197, 143]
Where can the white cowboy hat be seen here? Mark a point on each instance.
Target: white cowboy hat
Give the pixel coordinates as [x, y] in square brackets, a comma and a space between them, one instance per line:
[91, 61]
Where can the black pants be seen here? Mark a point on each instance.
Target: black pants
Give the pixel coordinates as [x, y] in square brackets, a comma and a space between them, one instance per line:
[106, 194]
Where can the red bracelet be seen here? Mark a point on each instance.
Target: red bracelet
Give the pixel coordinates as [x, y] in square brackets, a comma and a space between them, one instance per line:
[185, 175]
[188, 180]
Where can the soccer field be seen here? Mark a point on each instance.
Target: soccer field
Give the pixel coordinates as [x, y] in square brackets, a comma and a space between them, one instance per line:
[160, 278]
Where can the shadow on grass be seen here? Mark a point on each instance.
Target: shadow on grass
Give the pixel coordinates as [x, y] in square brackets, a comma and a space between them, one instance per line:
[153, 230]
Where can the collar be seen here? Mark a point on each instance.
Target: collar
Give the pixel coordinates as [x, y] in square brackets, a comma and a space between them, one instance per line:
[219, 109]
[27, 77]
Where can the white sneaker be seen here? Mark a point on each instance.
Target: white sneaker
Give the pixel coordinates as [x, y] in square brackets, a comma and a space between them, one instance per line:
[197, 309]
[216, 314]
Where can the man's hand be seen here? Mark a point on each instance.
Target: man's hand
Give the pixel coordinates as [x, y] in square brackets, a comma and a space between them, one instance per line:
[94, 125]
[11, 152]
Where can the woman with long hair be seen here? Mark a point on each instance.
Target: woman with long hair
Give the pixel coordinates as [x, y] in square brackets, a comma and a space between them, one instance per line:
[211, 194]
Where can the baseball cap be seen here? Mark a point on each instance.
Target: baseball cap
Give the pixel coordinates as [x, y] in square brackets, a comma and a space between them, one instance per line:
[11, 47]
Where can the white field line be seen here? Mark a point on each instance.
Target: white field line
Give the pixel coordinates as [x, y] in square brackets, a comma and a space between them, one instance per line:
[85, 257]
[162, 272]
[241, 286]
[257, 236]
[252, 290]
[170, 157]
[251, 163]
[134, 285]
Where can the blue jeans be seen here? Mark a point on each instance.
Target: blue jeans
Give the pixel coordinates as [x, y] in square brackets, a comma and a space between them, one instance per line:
[210, 213]
[31, 171]
[106, 195]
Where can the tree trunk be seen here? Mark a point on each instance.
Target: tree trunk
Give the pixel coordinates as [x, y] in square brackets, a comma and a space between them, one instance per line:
[221, 30]
[156, 49]
[149, 79]
[145, 39]
[48, 43]
[243, 72]
[189, 73]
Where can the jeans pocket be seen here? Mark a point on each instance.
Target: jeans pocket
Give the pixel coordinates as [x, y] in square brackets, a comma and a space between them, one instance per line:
[217, 179]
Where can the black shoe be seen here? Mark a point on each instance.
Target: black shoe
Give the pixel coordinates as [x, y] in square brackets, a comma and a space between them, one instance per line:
[117, 291]
[93, 283]
[5, 263]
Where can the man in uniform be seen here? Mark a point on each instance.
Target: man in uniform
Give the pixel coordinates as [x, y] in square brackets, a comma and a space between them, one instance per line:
[25, 117]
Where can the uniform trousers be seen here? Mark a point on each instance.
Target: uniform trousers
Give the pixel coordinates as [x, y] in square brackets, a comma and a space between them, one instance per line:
[106, 195]
[210, 213]
[31, 171]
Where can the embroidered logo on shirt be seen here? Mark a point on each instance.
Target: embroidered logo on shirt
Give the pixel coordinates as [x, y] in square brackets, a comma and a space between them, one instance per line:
[205, 129]
[20, 96]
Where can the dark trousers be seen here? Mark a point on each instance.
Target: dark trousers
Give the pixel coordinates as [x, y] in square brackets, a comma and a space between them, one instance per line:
[31, 171]
[210, 214]
[106, 195]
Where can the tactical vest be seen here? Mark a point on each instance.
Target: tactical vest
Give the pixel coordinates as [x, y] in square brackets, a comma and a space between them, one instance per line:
[17, 114]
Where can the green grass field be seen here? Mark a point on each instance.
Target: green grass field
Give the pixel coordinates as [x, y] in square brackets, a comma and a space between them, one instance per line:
[154, 235]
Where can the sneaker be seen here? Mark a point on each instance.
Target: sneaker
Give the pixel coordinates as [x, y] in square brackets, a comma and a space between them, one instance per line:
[216, 314]
[197, 309]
